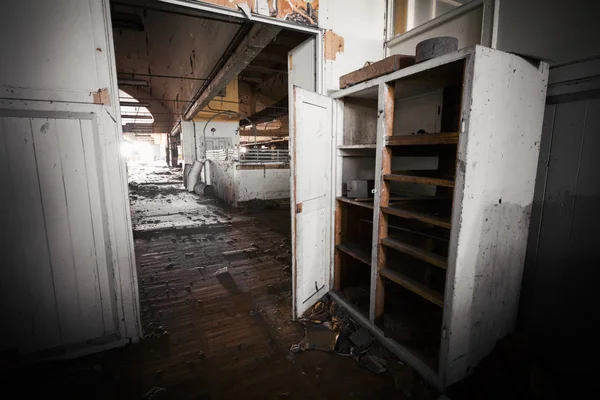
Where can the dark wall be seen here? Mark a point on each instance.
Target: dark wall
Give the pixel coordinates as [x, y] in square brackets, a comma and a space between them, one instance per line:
[559, 307]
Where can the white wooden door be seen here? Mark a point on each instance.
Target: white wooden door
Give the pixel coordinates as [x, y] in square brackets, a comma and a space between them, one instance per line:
[302, 66]
[67, 283]
[311, 140]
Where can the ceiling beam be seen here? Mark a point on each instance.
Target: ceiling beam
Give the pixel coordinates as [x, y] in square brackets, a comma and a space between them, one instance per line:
[269, 113]
[271, 133]
[259, 36]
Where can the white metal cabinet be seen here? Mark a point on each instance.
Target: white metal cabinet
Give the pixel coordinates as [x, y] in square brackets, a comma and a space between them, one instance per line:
[68, 280]
[474, 197]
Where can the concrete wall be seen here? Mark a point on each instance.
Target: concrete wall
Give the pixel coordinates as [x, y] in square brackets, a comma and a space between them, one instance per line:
[225, 134]
[222, 179]
[263, 182]
[234, 182]
[466, 27]
[354, 34]
[554, 30]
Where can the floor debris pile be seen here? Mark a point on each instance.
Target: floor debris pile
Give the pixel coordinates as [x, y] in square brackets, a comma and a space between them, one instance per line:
[328, 327]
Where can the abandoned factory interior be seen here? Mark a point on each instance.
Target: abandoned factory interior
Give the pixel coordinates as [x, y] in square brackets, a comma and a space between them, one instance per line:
[298, 199]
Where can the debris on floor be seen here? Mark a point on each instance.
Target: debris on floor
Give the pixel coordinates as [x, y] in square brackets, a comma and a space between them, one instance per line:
[328, 327]
[156, 393]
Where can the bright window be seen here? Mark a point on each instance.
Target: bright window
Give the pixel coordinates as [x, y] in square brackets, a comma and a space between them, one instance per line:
[409, 14]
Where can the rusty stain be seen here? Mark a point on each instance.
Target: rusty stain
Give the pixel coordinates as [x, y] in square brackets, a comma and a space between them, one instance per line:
[290, 62]
[101, 97]
[334, 44]
[304, 12]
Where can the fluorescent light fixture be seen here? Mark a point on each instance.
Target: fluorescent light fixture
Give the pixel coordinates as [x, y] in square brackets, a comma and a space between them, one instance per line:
[132, 82]
[133, 116]
[134, 104]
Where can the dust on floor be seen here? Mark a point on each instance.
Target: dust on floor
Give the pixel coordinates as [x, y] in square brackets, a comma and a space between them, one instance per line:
[215, 290]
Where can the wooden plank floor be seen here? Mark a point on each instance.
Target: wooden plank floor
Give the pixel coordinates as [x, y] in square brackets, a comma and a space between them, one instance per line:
[228, 335]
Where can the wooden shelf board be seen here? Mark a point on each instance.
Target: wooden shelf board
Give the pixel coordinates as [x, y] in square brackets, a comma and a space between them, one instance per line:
[412, 285]
[423, 177]
[357, 147]
[428, 212]
[366, 203]
[421, 254]
[355, 252]
[425, 139]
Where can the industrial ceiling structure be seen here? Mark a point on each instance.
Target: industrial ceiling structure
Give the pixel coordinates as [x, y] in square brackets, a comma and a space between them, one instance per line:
[174, 63]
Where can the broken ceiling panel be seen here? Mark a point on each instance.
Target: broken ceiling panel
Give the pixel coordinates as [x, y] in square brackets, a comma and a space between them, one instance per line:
[299, 11]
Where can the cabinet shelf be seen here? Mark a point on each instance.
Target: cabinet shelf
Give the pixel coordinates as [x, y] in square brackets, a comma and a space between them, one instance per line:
[357, 150]
[431, 212]
[412, 285]
[422, 177]
[425, 139]
[421, 254]
[366, 203]
[355, 252]
[357, 147]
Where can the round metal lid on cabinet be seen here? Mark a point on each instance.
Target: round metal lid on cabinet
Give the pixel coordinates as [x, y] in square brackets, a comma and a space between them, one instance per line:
[435, 47]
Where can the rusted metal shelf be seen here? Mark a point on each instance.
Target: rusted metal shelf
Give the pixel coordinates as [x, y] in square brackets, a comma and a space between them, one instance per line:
[417, 252]
[425, 139]
[412, 285]
[355, 252]
[422, 177]
[431, 212]
[366, 203]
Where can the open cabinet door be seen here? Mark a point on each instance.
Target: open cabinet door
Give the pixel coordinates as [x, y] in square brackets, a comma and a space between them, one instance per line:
[311, 140]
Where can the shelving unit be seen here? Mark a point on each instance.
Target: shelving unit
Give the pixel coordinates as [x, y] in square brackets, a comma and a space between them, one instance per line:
[431, 261]
[424, 183]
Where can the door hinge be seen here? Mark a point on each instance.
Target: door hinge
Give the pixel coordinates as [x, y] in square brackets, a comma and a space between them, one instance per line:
[298, 208]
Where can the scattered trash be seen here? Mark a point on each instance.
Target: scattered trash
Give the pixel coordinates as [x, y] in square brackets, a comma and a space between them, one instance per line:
[376, 365]
[169, 266]
[295, 348]
[238, 252]
[319, 336]
[362, 339]
[220, 271]
[156, 393]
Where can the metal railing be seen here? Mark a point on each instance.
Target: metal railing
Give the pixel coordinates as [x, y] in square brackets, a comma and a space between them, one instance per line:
[250, 155]
[265, 155]
[222, 154]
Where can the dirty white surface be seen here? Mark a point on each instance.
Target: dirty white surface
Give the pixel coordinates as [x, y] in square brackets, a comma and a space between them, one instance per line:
[234, 184]
[69, 284]
[312, 169]
[497, 163]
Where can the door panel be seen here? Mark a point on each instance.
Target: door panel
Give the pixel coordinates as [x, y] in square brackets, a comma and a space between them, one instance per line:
[311, 142]
[68, 283]
[56, 249]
